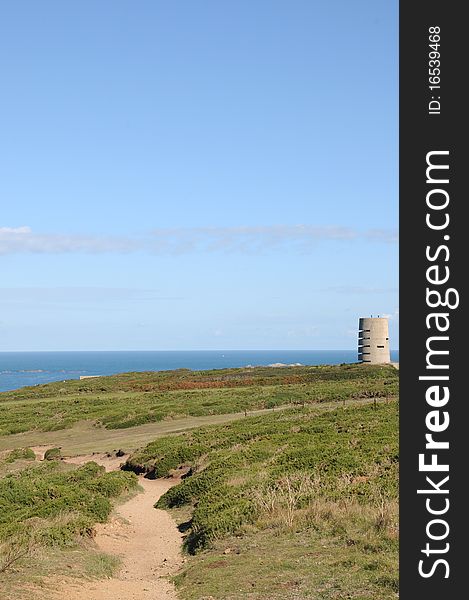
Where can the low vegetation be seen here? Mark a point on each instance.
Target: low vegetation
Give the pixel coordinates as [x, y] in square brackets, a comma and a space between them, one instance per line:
[15, 460]
[20, 454]
[52, 454]
[131, 399]
[54, 505]
[298, 503]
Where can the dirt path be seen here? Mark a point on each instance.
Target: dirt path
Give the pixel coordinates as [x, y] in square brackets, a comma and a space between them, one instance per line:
[146, 539]
[84, 437]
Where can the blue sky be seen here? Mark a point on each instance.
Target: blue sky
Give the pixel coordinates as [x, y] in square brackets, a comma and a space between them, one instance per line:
[197, 175]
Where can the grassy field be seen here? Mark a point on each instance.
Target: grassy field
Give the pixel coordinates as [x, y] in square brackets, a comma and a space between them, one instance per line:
[296, 504]
[129, 400]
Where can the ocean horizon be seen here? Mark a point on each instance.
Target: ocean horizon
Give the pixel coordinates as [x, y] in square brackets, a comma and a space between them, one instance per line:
[20, 369]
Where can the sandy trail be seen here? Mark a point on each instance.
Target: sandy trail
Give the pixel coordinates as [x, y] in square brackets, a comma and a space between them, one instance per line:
[146, 539]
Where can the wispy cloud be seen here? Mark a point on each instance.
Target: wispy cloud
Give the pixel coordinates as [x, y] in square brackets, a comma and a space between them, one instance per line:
[16, 240]
[81, 297]
[247, 239]
[14, 230]
[175, 241]
[359, 289]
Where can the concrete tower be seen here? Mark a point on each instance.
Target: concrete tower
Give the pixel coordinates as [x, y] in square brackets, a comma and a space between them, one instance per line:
[373, 341]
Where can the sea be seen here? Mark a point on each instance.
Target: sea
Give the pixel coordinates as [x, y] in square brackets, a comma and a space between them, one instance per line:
[19, 369]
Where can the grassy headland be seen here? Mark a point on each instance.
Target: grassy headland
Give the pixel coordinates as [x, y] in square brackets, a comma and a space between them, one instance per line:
[131, 399]
[293, 503]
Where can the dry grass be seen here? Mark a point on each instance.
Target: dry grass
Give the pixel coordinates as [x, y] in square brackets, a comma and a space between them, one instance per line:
[30, 541]
[27, 561]
[279, 503]
[16, 549]
[294, 502]
[326, 550]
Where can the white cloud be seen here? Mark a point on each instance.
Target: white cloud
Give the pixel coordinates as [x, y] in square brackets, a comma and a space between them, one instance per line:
[14, 230]
[16, 240]
[247, 239]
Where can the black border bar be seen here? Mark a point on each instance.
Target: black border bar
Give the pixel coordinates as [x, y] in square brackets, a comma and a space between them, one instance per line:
[434, 258]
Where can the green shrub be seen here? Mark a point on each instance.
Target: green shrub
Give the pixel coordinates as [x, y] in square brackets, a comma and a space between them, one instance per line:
[20, 454]
[52, 454]
[65, 501]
